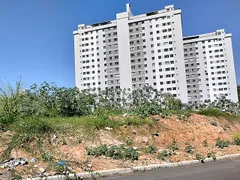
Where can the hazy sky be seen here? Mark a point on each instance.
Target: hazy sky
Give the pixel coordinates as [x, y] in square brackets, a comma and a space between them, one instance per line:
[36, 40]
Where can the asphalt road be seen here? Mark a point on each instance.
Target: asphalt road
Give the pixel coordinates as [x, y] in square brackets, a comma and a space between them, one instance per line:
[219, 170]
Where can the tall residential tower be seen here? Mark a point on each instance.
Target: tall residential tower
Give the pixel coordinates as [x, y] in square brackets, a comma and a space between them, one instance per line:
[209, 67]
[132, 52]
[149, 50]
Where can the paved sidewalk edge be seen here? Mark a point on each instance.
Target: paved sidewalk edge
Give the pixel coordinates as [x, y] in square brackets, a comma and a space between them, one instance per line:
[130, 170]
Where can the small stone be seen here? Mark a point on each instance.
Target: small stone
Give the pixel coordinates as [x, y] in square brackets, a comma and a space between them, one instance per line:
[203, 123]
[134, 131]
[214, 123]
[108, 128]
[155, 119]
[54, 137]
[124, 115]
[33, 160]
[42, 170]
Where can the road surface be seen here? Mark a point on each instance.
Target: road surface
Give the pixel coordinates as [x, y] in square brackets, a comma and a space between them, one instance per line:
[219, 170]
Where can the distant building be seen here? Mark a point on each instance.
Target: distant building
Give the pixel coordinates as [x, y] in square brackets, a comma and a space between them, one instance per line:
[145, 50]
[210, 67]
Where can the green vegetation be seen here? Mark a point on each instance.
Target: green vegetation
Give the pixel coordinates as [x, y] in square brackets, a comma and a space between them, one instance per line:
[151, 149]
[116, 152]
[190, 149]
[205, 143]
[44, 110]
[222, 143]
[236, 139]
[200, 157]
[173, 147]
[213, 112]
[212, 155]
[162, 155]
[93, 108]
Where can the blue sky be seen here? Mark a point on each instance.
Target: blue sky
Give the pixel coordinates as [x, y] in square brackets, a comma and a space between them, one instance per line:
[36, 40]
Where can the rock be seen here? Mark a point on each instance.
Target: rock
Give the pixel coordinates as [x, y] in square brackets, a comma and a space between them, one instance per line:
[160, 150]
[156, 134]
[155, 119]
[42, 170]
[134, 131]
[203, 123]
[135, 148]
[219, 154]
[144, 140]
[214, 123]
[108, 128]
[33, 160]
[124, 115]
[54, 137]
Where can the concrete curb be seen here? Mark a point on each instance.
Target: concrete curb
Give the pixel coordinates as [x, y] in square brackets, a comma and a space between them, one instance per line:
[131, 170]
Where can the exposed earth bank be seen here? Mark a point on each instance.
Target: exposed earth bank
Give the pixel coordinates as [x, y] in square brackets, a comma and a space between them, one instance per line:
[198, 132]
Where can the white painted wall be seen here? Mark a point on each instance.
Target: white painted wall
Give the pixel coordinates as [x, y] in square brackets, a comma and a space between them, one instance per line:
[124, 51]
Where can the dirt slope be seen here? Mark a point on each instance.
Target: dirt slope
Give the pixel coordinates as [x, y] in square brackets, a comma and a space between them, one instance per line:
[199, 131]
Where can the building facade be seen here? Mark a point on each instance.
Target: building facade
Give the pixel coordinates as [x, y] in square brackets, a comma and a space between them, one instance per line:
[149, 50]
[131, 52]
[210, 70]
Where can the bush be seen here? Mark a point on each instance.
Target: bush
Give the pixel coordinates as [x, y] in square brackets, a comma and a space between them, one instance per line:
[212, 155]
[33, 127]
[200, 157]
[218, 113]
[162, 155]
[189, 149]
[183, 114]
[115, 152]
[173, 147]
[205, 143]
[222, 144]
[151, 149]
[236, 139]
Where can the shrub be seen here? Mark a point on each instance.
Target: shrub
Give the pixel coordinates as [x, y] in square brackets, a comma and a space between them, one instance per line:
[200, 157]
[205, 143]
[151, 149]
[183, 114]
[33, 127]
[173, 147]
[128, 142]
[10, 101]
[236, 139]
[116, 152]
[212, 155]
[162, 155]
[219, 113]
[222, 144]
[189, 149]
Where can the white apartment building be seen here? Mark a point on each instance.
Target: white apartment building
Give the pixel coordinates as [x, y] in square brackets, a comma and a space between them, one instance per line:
[149, 50]
[209, 64]
[131, 52]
